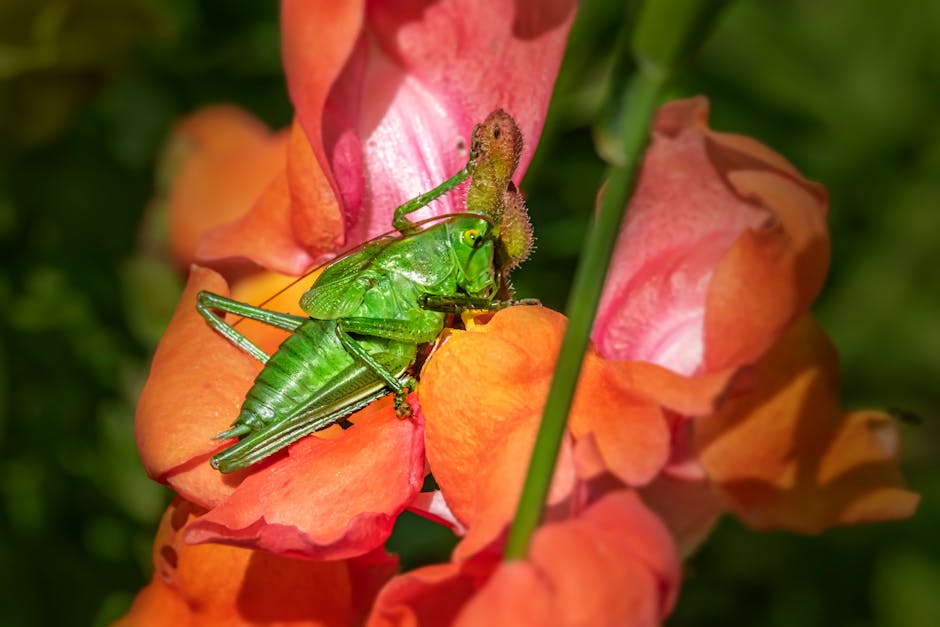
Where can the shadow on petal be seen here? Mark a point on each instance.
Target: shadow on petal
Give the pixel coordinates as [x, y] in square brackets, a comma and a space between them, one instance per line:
[222, 585]
[785, 455]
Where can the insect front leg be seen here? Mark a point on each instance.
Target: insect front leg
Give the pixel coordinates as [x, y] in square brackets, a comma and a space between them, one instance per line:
[208, 303]
[459, 303]
[418, 331]
[404, 225]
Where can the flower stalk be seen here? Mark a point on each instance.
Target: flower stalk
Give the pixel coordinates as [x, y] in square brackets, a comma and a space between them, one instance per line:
[664, 31]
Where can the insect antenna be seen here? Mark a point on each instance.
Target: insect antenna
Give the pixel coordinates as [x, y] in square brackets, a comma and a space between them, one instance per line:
[285, 288]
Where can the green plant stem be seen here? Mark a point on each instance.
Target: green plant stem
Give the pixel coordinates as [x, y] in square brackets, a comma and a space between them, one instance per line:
[637, 107]
[582, 305]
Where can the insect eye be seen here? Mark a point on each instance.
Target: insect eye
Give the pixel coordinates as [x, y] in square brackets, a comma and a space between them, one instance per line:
[471, 237]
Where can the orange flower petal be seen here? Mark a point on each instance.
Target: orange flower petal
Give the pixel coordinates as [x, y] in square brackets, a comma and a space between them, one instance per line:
[786, 456]
[196, 385]
[316, 217]
[483, 392]
[688, 396]
[478, 389]
[222, 159]
[295, 222]
[263, 235]
[322, 500]
[368, 574]
[630, 436]
[614, 564]
[221, 585]
[158, 605]
[312, 72]
[498, 484]
[517, 593]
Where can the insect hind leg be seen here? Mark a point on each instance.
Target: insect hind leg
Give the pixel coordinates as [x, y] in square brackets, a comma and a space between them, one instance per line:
[208, 303]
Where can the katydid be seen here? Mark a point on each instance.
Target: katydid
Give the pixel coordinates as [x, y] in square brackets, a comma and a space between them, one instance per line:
[370, 311]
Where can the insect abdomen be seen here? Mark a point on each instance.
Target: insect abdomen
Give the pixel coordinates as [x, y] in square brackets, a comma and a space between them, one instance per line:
[303, 363]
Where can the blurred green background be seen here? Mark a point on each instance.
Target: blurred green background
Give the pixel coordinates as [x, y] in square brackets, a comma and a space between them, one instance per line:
[847, 90]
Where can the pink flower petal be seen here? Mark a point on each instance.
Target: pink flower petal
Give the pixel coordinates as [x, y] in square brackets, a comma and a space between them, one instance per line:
[432, 506]
[397, 119]
[688, 213]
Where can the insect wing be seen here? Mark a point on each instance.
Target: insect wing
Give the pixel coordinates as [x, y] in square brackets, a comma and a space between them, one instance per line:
[375, 246]
[342, 286]
[381, 241]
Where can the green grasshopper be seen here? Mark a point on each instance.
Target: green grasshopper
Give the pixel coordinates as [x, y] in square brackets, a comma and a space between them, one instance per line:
[370, 311]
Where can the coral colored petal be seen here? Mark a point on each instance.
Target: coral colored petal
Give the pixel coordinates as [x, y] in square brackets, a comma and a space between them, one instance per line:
[668, 297]
[157, 605]
[481, 430]
[612, 564]
[427, 596]
[220, 585]
[689, 396]
[368, 575]
[320, 501]
[498, 485]
[196, 385]
[786, 456]
[516, 594]
[221, 160]
[315, 213]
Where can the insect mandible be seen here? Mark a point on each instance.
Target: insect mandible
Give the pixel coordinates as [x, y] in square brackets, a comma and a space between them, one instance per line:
[370, 311]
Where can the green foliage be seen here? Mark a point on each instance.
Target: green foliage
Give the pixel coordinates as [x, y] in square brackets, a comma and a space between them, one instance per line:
[88, 90]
